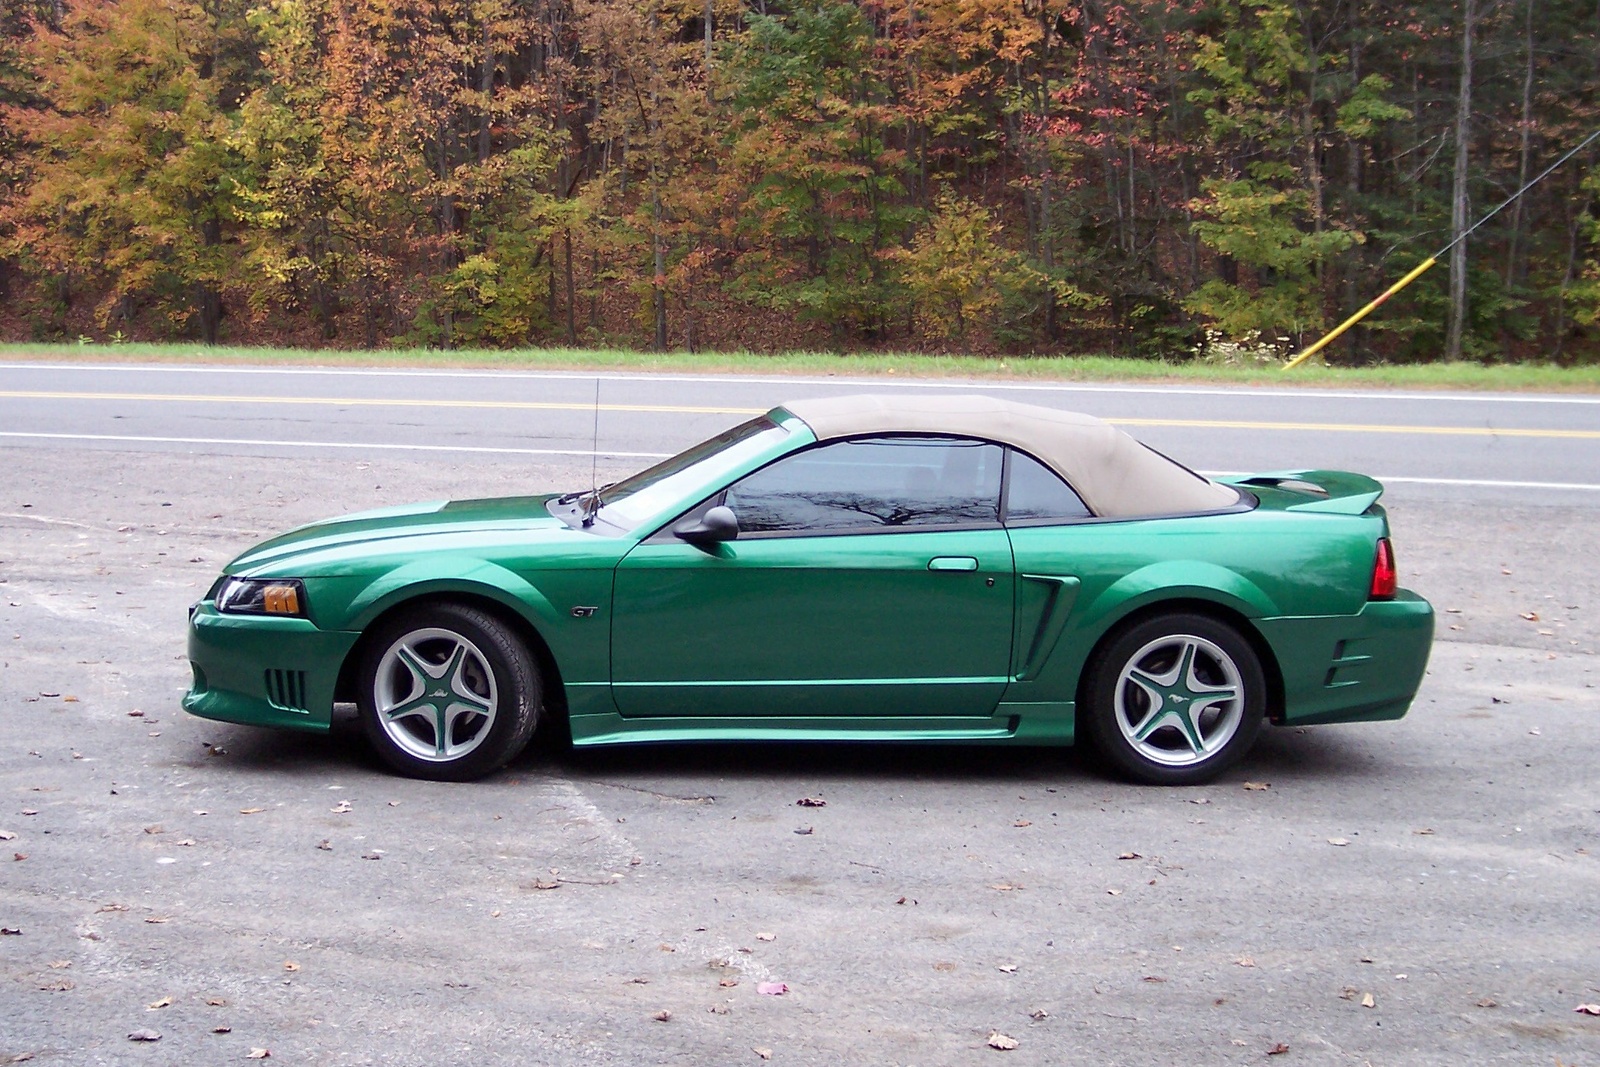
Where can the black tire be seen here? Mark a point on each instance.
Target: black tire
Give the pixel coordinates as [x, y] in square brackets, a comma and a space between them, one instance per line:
[1138, 700]
[448, 693]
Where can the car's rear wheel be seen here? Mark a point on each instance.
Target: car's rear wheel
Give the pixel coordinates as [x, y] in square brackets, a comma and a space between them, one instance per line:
[1175, 699]
[448, 693]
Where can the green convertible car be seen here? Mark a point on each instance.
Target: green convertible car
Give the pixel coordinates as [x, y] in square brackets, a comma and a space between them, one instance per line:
[861, 568]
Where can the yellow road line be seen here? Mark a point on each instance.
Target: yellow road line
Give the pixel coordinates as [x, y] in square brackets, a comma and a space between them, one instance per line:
[1362, 427]
[384, 402]
[683, 409]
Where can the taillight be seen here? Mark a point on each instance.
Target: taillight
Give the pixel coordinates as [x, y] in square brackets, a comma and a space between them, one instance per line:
[1384, 579]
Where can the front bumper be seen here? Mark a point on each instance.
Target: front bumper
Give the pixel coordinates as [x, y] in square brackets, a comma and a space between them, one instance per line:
[1365, 667]
[263, 671]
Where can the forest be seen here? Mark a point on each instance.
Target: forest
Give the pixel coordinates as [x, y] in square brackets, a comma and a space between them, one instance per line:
[1182, 179]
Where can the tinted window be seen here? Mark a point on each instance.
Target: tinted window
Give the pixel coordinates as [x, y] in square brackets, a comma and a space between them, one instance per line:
[1033, 491]
[874, 483]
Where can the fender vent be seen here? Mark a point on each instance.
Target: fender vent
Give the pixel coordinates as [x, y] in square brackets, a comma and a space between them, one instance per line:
[286, 690]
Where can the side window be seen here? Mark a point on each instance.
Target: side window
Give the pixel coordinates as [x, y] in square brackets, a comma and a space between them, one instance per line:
[874, 483]
[1034, 491]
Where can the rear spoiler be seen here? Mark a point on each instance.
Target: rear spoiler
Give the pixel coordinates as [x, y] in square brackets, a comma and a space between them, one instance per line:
[1335, 492]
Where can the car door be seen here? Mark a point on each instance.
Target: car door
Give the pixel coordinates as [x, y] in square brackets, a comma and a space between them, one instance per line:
[871, 577]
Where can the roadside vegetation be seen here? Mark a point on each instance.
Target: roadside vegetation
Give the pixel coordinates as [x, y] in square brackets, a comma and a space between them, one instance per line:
[1217, 181]
[1507, 377]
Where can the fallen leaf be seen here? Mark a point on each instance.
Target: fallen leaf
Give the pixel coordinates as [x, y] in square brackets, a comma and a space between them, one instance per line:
[216, 1002]
[944, 966]
[10, 931]
[1201, 800]
[155, 920]
[766, 937]
[1038, 1015]
[69, 699]
[112, 907]
[662, 1016]
[155, 829]
[1020, 823]
[341, 808]
[1006, 887]
[764, 1053]
[1534, 732]
[290, 965]
[728, 983]
[718, 1009]
[7, 835]
[49, 694]
[251, 811]
[812, 802]
[805, 831]
[1245, 961]
[1337, 842]
[135, 714]
[144, 1035]
[1003, 1042]
[1426, 831]
[56, 985]
[258, 1054]
[772, 989]
[60, 965]
[1488, 1002]
[1007, 968]
[1368, 1000]
[325, 845]
[30, 811]
[1154, 978]
[638, 981]
[1278, 1050]
[1348, 992]
[19, 856]
[222, 1029]
[1256, 787]
[376, 854]
[1129, 856]
[1588, 1009]
[1113, 892]
[1531, 616]
[164, 1002]
[185, 843]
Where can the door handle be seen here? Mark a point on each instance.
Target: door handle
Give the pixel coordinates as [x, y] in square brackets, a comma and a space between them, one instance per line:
[952, 563]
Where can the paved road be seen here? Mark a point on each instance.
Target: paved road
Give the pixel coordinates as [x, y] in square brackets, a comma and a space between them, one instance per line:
[173, 874]
[1548, 443]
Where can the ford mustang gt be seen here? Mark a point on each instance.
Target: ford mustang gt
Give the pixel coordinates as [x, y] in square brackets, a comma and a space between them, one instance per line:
[885, 568]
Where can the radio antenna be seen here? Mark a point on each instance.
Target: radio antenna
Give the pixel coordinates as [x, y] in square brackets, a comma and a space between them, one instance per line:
[594, 462]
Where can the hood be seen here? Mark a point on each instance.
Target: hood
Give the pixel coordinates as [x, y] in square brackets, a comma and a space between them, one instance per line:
[355, 542]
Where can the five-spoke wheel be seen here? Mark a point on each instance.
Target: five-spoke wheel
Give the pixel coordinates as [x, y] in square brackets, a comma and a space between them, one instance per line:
[1174, 700]
[448, 692]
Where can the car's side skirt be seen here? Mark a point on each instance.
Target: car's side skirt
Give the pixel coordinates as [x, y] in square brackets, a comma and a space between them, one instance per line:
[1032, 724]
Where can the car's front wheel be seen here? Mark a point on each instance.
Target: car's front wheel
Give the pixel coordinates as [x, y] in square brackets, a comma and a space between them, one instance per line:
[1175, 699]
[447, 693]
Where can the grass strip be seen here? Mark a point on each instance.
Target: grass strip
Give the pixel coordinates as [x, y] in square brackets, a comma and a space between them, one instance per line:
[1506, 377]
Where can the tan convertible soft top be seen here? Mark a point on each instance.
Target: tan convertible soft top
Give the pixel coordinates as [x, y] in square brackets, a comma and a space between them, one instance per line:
[1116, 476]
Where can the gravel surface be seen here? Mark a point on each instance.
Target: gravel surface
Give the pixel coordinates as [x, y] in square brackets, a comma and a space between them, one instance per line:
[1420, 892]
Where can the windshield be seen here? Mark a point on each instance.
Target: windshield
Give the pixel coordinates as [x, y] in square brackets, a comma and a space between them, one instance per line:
[625, 504]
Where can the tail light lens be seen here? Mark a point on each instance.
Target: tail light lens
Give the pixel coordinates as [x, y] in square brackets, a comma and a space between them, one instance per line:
[1384, 579]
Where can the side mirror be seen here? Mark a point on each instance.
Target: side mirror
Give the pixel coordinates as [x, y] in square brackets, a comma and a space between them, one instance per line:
[716, 525]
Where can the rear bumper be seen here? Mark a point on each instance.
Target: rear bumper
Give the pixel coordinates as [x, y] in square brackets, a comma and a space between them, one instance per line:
[263, 671]
[1351, 668]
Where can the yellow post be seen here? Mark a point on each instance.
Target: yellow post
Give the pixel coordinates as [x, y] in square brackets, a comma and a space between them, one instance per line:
[1333, 335]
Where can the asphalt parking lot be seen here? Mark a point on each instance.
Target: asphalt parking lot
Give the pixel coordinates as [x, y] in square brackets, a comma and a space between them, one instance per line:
[1420, 892]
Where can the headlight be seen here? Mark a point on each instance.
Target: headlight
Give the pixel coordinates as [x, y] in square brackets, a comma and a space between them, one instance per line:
[255, 596]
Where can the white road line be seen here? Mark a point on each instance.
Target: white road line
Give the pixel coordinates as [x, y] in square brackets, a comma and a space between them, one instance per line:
[1480, 483]
[262, 442]
[980, 384]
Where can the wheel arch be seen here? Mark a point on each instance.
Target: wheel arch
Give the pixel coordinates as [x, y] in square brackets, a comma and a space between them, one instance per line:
[553, 689]
[1190, 605]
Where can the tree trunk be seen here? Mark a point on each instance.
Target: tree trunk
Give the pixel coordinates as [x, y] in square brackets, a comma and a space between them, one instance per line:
[572, 295]
[1456, 323]
[1514, 273]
